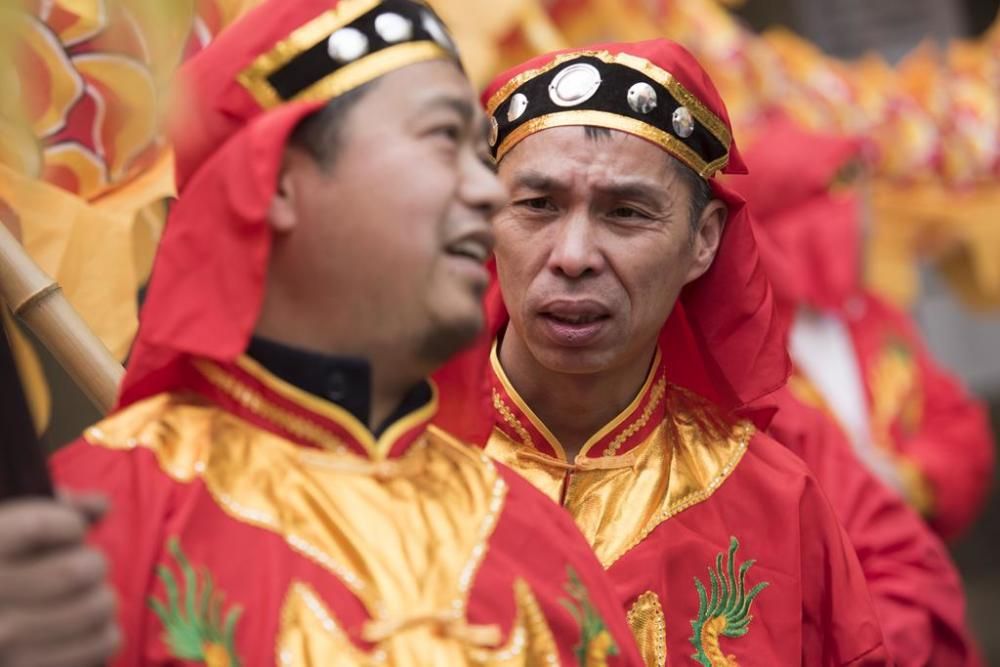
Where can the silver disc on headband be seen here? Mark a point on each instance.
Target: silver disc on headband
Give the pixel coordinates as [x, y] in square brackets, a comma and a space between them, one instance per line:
[574, 85]
[642, 97]
[393, 28]
[683, 122]
[347, 45]
[518, 104]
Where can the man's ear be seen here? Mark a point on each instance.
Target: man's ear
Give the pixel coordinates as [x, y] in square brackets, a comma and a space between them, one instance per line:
[706, 239]
[282, 215]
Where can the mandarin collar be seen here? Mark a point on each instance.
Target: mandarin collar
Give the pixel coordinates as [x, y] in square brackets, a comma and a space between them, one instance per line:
[342, 380]
[635, 422]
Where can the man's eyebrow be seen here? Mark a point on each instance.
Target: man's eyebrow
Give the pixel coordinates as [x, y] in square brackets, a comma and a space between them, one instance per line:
[633, 189]
[534, 180]
[459, 105]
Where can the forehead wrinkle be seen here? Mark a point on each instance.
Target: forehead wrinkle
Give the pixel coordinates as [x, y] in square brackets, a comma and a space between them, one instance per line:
[563, 159]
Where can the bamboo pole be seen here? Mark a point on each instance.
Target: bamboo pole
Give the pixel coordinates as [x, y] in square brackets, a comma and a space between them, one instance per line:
[38, 301]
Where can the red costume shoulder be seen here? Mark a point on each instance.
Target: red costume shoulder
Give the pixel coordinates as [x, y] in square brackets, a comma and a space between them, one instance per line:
[924, 413]
[201, 497]
[915, 588]
[770, 522]
[545, 556]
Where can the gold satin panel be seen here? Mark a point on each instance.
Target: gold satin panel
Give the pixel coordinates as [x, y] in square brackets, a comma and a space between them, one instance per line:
[407, 540]
[618, 500]
[309, 636]
[649, 627]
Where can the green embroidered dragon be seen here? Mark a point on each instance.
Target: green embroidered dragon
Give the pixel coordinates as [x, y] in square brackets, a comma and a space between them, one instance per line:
[596, 643]
[196, 632]
[724, 611]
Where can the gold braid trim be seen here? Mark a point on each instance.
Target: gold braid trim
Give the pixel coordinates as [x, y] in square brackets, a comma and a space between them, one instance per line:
[256, 403]
[511, 420]
[656, 395]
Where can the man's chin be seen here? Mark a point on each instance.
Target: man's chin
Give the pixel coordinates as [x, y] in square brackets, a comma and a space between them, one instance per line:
[573, 360]
[447, 338]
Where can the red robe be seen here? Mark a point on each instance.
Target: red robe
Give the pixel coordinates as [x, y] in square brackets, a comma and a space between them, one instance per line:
[809, 235]
[719, 541]
[920, 415]
[255, 524]
[915, 587]
[928, 417]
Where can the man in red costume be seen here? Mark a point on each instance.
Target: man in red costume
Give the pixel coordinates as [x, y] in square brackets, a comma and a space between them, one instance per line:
[635, 328]
[277, 496]
[915, 587]
[857, 357]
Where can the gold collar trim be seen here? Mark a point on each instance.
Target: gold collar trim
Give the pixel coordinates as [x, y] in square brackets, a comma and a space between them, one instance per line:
[301, 426]
[653, 388]
[683, 461]
[511, 419]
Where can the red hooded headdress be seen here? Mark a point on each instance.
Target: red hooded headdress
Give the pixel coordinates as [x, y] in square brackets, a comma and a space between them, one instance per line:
[723, 339]
[240, 99]
[809, 232]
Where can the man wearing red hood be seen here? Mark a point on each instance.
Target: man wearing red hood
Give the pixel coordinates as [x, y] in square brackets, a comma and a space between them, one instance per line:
[635, 328]
[811, 248]
[915, 587]
[277, 496]
[857, 357]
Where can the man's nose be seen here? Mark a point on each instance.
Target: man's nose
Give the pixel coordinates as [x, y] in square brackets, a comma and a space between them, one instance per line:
[575, 252]
[481, 189]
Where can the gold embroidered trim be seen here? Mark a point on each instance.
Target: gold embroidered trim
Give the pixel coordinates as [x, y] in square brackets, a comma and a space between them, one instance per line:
[544, 648]
[271, 523]
[649, 628]
[531, 631]
[656, 396]
[614, 121]
[511, 420]
[507, 653]
[692, 499]
[445, 623]
[543, 643]
[468, 573]
[658, 74]
[253, 401]
[309, 634]
[186, 471]
[516, 399]
[304, 428]
[630, 409]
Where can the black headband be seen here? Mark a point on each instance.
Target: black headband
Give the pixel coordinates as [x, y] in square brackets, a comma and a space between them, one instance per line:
[616, 91]
[356, 42]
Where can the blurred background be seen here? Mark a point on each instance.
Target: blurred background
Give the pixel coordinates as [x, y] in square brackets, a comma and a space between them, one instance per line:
[85, 170]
